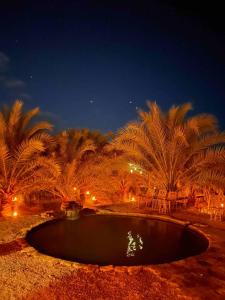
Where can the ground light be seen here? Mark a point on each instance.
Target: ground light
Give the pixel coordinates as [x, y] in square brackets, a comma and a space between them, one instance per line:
[15, 214]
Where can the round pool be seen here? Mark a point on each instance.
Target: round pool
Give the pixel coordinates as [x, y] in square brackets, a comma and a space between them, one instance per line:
[116, 240]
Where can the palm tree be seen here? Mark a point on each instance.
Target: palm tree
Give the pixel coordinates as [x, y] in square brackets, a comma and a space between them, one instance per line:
[17, 126]
[100, 140]
[71, 138]
[72, 152]
[22, 143]
[175, 150]
[23, 170]
[111, 177]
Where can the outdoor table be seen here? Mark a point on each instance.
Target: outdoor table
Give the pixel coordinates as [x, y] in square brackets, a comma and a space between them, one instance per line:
[183, 202]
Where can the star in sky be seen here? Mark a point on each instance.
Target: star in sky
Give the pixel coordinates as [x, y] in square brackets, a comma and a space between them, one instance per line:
[131, 101]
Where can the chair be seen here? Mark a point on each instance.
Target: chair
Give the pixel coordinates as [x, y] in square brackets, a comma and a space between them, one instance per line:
[216, 214]
[172, 197]
[182, 199]
[216, 207]
[163, 203]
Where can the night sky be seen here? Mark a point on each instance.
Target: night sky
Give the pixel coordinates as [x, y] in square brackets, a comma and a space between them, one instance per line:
[95, 63]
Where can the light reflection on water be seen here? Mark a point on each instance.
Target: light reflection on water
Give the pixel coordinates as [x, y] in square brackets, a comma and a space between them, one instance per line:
[135, 243]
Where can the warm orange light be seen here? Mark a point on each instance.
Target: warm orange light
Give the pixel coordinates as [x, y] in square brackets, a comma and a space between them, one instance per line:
[87, 193]
[133, 199]
[141, 172]
[14, 199]
[75, 188]
[15, 213]
[131, 171]
[93, 198]
[222, 205]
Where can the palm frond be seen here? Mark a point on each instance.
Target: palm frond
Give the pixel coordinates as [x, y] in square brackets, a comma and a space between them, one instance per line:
[15, 114]
[37, 128]
[28, 117]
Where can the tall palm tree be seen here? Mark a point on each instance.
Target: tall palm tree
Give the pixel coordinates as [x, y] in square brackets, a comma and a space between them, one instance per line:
[175, 150]
[23, 142]
[23, 170]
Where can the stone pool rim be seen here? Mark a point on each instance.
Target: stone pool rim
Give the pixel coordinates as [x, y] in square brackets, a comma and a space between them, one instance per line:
[34, 252]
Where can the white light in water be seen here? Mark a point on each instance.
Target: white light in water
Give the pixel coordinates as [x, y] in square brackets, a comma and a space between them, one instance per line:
[140, 242]
[134, 244]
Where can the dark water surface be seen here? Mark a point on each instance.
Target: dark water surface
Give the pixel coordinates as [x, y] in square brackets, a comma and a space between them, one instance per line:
[116, 240]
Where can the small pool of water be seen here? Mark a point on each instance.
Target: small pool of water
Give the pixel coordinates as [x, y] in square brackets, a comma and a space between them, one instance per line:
[116, 240]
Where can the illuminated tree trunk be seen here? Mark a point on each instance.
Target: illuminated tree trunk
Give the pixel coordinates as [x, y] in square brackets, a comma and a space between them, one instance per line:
[7, 207]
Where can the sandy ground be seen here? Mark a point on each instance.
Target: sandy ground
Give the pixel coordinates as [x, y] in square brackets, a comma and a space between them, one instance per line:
[27, 275]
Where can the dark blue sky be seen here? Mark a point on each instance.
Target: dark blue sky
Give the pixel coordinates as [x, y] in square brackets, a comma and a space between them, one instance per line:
[93, 63]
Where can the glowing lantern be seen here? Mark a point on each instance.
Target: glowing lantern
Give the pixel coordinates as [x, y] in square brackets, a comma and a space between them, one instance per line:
[14, 199]
[222, 205]
[133, 199]
[93, 198]
[131, 171]
[75, 188]
[87, 193]
[15, 213]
